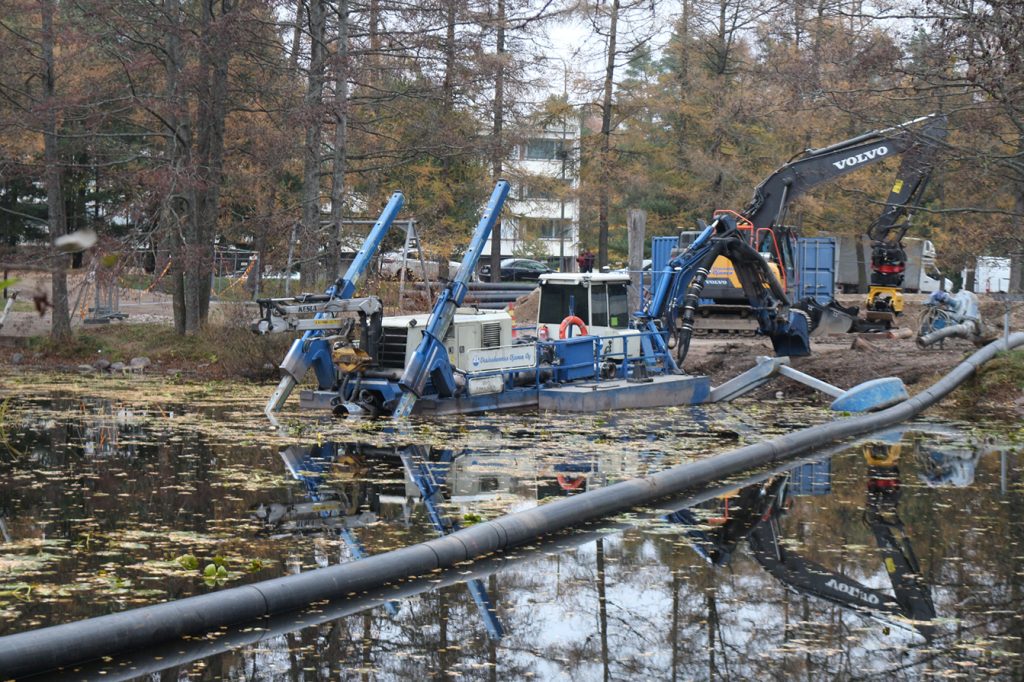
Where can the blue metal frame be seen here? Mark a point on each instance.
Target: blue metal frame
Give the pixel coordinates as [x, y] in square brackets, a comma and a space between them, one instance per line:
[668, 290]
[430, 360]
[428, 480]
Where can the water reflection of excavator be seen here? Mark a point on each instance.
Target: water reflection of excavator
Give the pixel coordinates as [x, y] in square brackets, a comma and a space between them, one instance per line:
[753, 513]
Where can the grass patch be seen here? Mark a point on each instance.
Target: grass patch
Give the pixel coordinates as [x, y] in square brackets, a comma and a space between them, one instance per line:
[218, 351]
[998, 384]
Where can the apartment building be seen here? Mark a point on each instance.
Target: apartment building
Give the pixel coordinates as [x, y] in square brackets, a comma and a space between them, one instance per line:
[541, 217]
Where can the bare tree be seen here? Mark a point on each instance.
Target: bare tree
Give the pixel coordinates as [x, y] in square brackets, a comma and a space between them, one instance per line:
[61, 326]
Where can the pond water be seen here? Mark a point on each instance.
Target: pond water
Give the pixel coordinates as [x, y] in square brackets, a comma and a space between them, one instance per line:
[896, 557]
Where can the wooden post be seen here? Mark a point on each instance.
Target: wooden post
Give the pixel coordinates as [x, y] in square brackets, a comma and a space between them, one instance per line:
[636, 225]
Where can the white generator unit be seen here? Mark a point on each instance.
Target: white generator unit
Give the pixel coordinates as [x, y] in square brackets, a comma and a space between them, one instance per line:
[471, 332]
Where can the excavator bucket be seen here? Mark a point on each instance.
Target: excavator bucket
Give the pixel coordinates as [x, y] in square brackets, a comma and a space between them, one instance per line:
[793, 340]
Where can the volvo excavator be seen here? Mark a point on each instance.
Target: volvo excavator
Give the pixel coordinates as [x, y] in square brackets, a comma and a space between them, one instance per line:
[763, 222]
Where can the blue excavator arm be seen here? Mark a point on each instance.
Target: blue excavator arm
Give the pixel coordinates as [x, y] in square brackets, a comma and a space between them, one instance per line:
[676, 297]
[430, 360]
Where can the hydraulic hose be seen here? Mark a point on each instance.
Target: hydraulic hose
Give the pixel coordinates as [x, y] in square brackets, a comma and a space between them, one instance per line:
[966, 330]
[690, 302]
[47, 648]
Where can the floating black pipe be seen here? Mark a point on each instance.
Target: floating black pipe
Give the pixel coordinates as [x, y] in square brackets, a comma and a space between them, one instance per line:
[133, 665]
[44, 649]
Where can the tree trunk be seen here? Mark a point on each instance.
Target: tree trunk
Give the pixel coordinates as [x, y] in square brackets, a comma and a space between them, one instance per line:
[341, 74]
[212, 112]
[498, 147]
[57, 221]
[606, 141]
[293, 57]
[313, 147]
[178, 210]
[636, 225]
[448, 87]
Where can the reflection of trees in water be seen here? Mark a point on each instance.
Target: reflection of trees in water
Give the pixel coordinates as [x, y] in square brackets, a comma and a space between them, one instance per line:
[669, 615]
[641, 604]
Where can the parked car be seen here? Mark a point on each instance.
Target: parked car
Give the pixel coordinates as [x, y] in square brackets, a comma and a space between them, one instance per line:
[517, 270]
[391, 266]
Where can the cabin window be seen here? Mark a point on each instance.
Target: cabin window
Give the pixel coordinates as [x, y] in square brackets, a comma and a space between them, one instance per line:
[555, 303]
[618, 306]
[598, 305]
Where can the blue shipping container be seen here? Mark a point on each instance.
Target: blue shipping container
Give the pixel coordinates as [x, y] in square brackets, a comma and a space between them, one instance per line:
[815, 261]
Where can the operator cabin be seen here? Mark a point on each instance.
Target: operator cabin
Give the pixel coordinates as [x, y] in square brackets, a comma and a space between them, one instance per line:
[599, 300]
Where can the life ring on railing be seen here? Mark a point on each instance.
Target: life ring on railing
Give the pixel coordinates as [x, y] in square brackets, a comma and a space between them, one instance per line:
[572, 319]
[570, 483]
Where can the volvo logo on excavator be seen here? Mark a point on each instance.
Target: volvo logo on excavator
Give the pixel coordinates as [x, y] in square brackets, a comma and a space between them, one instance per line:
[851, 161]
[853, 591]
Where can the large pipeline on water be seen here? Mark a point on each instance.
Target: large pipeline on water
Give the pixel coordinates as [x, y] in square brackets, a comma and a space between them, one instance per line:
[37, 651]
[133, 665]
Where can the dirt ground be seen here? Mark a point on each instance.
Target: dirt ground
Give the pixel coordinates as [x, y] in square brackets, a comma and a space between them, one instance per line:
[24, 321]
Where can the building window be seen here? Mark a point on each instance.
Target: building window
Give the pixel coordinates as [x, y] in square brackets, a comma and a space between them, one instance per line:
[543, 149]
[546, 228]
[550, 189]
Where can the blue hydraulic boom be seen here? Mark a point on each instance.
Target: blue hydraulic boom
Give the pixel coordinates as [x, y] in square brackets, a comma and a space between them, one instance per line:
[430, 360]
[677, 292]
[313, 349]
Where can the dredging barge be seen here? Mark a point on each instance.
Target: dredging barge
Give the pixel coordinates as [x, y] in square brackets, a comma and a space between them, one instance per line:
[460, 360]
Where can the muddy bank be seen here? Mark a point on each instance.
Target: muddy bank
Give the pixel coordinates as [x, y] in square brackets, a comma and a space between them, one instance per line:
[999, 387]
[217, 352]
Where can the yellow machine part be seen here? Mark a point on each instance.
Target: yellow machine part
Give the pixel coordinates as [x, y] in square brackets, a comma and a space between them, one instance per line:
[882, 454]
[349, 359]
[723, 269]
[883, 303]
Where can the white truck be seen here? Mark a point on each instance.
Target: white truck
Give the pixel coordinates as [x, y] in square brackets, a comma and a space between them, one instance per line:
[991, 273]
[853, 266]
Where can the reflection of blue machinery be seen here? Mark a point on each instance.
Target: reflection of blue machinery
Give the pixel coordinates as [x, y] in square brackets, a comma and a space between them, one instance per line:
[753, 513]
[328, 508]
[429, 478]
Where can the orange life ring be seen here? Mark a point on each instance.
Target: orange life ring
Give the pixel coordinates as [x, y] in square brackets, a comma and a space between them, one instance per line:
[572, 319]
[570, 483]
